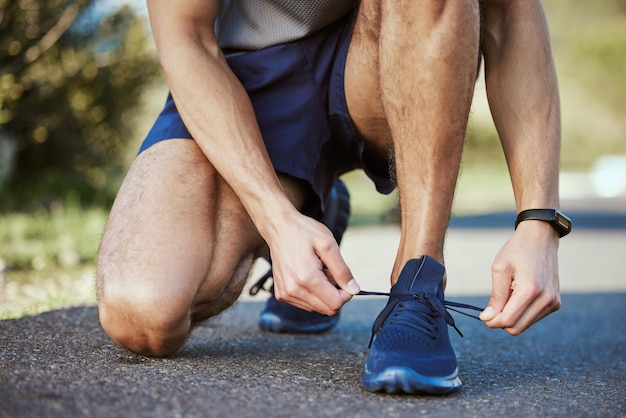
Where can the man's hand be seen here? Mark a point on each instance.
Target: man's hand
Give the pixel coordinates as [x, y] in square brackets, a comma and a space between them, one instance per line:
[525, 279]
[309, 271]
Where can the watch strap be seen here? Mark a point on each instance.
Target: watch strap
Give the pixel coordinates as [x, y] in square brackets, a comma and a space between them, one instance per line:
[561, 223]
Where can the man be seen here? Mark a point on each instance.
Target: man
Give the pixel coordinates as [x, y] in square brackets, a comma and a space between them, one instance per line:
[308, 91]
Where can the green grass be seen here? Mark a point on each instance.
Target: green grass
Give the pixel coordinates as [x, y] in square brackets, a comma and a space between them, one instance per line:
[48, 258]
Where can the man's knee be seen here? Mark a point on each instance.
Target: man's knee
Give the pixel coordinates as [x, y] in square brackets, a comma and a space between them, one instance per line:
[144, 321]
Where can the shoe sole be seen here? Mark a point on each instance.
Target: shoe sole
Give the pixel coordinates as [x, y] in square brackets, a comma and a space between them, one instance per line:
[406, 380]
[273, 323]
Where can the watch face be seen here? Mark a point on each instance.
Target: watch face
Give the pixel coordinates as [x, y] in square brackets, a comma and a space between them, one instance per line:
[563, 222]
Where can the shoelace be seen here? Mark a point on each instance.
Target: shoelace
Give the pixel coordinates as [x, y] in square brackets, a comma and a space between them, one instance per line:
[260, 284]
[426, 321]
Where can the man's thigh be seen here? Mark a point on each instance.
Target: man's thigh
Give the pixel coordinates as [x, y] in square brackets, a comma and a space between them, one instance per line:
[178, 242]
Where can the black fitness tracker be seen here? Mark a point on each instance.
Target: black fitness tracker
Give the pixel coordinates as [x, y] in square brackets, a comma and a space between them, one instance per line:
[561, 223]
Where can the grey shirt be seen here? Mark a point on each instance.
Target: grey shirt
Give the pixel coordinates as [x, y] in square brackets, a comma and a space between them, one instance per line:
[249, 25]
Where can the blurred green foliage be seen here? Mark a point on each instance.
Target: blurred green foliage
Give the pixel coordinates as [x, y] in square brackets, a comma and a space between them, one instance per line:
[589, 39]
[47, 258]
[589, 45]
[63, 236]
[70, 79]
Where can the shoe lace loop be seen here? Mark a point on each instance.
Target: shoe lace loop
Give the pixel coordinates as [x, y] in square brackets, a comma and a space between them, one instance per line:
[260, 284]
[436, 305]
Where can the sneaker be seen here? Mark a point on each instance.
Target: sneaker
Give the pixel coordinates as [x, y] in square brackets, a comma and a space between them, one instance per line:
[410, 350]
[283, 317]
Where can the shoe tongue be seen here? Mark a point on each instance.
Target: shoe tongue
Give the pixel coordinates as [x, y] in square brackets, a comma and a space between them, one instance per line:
[421, 275]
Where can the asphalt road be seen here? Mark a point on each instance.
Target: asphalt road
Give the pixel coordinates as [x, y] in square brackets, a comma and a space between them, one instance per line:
[61, 364]
[572, 364]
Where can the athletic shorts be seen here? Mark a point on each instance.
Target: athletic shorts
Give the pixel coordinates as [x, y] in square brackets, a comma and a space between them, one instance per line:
[297, 91]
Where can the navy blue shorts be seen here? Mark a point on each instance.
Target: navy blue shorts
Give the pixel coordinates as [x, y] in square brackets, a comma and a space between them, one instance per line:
[297, 90]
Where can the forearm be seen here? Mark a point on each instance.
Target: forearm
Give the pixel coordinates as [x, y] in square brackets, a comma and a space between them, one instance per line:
[524, 100]
[220, 117]
[217, 110]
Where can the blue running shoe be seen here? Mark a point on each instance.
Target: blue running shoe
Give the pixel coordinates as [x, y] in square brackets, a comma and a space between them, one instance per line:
[283, 317]
[410, 350]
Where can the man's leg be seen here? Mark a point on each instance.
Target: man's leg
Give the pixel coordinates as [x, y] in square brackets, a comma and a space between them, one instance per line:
[410, 76]
[419, 58]
[177, 249]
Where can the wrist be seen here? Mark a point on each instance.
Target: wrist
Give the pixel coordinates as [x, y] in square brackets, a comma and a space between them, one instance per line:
[539, 230]
[272, 216]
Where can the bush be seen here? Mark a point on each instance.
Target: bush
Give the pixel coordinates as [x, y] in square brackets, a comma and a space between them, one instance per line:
[70, 80]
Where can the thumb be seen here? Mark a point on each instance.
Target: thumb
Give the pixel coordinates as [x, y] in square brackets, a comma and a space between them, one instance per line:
[501, 291]
[342, 276]
[339, 271]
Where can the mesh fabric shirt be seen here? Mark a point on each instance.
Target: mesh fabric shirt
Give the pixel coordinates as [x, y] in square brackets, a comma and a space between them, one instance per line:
[250, 25]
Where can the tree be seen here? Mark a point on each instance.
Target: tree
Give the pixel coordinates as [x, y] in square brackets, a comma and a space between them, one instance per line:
[70, 78]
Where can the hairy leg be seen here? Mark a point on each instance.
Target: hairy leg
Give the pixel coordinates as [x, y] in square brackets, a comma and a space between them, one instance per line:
[409, 82]
[177, 249]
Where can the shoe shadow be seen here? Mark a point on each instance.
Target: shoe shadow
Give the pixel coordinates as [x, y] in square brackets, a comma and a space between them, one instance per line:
[235, 334]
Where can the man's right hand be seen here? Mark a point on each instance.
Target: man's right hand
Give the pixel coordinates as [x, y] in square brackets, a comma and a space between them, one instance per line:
[309, 271]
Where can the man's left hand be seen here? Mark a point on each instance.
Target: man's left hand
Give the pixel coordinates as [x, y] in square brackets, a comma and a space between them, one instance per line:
[525, 279]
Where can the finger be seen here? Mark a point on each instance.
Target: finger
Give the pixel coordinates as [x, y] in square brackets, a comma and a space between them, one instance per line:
[525, 322]
[338, 269]
[314, 294]
[331, 295]
[324, 305]
[330, 278]
[518, 305]
[305, 300]
[501, 292]
[513, 310]
[345, 296]
[540, 308]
